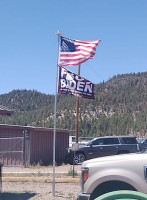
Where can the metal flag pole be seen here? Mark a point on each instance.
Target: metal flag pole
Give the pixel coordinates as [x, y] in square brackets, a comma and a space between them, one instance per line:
[54, 136]
[76, 124]
[77, 113]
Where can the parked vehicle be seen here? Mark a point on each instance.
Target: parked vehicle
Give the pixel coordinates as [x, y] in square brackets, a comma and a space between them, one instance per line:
[103, 146]
[113, 173]
[82, 140]
[142, 144]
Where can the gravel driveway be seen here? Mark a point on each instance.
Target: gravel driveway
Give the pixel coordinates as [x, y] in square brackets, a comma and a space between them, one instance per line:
[39, 187]
[39, 191]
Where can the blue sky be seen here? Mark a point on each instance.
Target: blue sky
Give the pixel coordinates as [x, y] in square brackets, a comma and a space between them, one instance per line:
[28, 44]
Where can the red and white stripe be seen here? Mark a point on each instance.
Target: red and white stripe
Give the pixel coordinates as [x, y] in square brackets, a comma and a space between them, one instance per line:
[84, 51]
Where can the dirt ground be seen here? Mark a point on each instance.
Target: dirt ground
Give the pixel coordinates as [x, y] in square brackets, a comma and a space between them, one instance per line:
[39, 187]
[39, 191]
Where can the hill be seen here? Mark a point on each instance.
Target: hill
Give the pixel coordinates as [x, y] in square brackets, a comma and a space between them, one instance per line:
[119, 108]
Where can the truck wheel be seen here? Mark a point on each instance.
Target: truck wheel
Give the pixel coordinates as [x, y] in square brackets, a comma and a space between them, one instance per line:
[79, 158]
[110, 186]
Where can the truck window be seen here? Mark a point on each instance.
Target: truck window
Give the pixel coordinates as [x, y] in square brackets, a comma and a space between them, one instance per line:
[145, 141]
[105, 141]
[111, 141]
[128, 140]
[98, 142]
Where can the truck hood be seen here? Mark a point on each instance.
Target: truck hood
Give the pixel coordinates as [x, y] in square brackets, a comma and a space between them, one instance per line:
[116, 158]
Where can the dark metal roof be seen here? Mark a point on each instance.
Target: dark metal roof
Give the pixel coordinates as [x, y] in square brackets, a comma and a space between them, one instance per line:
[34, 128]
[4, 110]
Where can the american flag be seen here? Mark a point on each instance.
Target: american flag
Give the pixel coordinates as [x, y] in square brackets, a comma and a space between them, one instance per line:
[75, 52]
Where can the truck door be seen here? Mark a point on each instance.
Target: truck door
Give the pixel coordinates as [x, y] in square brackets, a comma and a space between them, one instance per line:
[110, 146]
[104, 147]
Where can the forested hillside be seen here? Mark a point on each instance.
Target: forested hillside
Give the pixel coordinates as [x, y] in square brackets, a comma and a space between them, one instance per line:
[120, 107]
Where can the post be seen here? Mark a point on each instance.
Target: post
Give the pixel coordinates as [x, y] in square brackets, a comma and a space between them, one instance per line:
[27, 148]
[77, 112]
[0, 179]
[43, 119]
[23, 149]
[54, 136]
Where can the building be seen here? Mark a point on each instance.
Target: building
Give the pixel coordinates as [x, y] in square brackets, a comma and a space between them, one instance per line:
[24, 145]
[5, 111]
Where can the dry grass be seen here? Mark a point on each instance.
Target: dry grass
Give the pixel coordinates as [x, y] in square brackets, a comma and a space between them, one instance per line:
[41, 179]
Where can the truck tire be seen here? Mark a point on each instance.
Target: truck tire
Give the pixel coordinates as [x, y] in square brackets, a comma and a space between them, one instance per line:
[110, 186]
[79, 158]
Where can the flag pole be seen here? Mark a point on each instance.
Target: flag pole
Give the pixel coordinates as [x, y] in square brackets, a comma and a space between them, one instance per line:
[77, 113]
[54, 136]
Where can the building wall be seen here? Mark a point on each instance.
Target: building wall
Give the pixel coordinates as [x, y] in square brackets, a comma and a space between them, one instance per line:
[62, 143]
[42, 145]
[11, 145]
[38, 147]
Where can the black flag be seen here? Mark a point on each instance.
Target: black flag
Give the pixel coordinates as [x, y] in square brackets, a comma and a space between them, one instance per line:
[71, 83]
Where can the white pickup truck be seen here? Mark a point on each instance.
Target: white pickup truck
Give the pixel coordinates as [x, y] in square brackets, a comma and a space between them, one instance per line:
[112, 173]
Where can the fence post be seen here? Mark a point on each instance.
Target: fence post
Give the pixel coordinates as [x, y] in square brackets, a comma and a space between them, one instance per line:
[0, 179]
[24, 160]
[27, 148]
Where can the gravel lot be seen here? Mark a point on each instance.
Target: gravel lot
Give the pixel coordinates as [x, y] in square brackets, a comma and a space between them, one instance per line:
[39, 187]
[39, 191]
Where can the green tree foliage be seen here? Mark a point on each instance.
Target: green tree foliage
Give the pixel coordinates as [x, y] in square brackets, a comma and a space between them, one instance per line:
[119, 108]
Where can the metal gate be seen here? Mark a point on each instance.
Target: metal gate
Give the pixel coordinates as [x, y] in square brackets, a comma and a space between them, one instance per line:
[13, 150]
